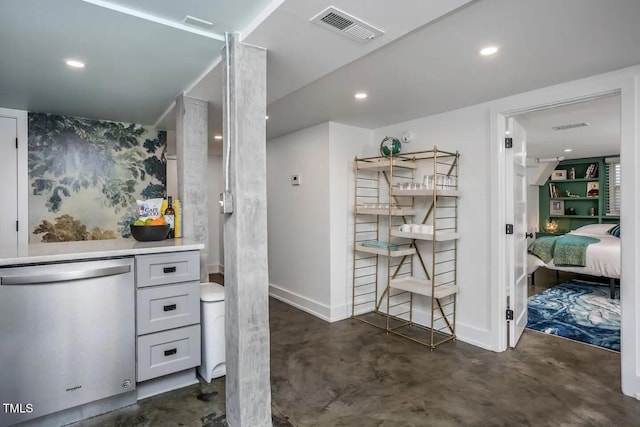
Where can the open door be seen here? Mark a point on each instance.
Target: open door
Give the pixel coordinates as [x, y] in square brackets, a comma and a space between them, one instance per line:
[9, 179]
[516, 173]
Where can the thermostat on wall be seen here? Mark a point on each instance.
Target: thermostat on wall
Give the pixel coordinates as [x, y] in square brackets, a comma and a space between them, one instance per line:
[295, 179]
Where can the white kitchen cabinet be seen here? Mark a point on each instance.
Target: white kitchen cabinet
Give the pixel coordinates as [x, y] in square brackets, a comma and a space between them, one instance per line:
[167, 314]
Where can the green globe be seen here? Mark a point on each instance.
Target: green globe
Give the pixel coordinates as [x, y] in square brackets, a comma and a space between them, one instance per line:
[390, 146]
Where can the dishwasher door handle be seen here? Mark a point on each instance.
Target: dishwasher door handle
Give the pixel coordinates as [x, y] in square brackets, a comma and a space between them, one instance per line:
[64, 276]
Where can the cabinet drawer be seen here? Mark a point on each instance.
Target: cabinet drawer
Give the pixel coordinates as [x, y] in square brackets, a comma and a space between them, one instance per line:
[161, 269]
[167, 352]
[167, 307]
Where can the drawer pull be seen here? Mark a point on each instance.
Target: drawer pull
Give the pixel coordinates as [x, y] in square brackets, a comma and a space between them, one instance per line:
[170, 352]
[169, 307]
[169, 270]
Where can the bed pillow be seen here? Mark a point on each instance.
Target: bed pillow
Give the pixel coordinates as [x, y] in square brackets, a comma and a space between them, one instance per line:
[593, 229]
[615, 231]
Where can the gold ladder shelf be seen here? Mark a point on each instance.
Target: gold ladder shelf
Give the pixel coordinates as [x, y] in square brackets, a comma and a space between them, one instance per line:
[390, 265]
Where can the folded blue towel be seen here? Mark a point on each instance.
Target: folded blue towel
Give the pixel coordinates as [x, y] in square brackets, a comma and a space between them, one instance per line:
[380, 245]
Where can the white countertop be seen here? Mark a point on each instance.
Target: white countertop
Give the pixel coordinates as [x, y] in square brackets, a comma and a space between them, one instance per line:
[91, 249]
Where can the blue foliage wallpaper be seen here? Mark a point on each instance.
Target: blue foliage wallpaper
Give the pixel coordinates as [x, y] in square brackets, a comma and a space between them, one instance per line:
[86, 175]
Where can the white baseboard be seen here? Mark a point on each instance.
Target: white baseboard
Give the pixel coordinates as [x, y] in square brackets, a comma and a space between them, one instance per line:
[166, 383]
[340, 312]
[301, 302]
[465, 333]
[215, 268]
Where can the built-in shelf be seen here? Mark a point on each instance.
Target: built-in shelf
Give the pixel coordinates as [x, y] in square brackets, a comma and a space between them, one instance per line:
[381, 251]
[423, 287]
[427, 193]
[385, 164]
[383, 211]
[574, 180]
[574, 216]
[574, 198]
[440, 236]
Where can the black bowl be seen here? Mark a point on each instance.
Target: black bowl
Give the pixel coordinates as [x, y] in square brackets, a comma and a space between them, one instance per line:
[150, 233]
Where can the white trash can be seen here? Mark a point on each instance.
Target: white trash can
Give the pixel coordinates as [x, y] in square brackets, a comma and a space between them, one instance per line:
[213, 347]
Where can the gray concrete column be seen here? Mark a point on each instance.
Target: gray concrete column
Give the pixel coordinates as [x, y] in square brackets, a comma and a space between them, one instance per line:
[248, 390]
[191, 157]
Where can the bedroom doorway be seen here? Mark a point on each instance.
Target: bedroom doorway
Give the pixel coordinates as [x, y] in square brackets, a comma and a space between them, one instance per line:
[573, 198]
[625, 83]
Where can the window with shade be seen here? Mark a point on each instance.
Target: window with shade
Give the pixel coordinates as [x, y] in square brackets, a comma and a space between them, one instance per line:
[613, 185]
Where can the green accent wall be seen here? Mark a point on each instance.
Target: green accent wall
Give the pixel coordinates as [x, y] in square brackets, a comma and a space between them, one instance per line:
[581, 203]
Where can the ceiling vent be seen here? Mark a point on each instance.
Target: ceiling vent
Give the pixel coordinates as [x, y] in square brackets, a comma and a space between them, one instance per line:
[197, 22]
[341, 22]
[571, 126]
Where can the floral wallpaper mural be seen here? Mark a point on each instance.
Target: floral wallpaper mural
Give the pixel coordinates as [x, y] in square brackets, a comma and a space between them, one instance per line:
[86, 175]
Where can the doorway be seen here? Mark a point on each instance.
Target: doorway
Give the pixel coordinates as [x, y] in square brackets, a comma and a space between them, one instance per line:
[625, 83]
[15, 126]
[578, 146]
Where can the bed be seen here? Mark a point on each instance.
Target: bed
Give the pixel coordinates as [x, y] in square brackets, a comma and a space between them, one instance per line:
[602, 258]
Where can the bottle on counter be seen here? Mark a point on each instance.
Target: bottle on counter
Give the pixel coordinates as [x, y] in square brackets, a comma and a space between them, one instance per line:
[177, 207]
[170, 217]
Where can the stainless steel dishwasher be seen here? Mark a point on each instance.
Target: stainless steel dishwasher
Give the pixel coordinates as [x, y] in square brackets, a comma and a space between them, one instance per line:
[67, 336]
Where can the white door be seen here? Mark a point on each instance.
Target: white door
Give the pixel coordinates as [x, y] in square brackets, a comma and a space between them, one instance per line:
[516, 172]
[9, 180]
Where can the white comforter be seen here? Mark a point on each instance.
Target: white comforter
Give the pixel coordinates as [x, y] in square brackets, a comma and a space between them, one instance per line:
[603, 258]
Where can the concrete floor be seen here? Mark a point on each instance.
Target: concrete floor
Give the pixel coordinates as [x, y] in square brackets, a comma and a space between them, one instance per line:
[352, 374]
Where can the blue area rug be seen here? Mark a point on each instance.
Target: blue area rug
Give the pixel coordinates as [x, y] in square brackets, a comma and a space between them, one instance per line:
[577, 310]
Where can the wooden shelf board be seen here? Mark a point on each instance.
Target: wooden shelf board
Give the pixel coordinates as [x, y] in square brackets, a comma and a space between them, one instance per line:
[422, 287]
[440, 236]
[574, 198]
[575, 180]
[425, 193]
[575, 216]
[394, 212]
[385, 164]
[380, 251]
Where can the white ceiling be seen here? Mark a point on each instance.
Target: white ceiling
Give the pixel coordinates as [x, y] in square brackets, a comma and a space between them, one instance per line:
[140, 56]
[600, 138]
[300, 52]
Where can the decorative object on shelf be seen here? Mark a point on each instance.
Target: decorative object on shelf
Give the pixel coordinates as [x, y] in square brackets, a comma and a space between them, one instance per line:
[592, 211]
[551, 226]
[390, 146]
[571, 211]
[593, 189]
[559, 175]
[556, 207]
[592, 171]
[572, 173]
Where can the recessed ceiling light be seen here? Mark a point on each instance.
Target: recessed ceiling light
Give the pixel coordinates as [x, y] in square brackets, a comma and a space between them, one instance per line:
[266, 117]
[568, 150]
[217, 137]
[489, 50]
[360, 95]
[507, 132]
[74, 63]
